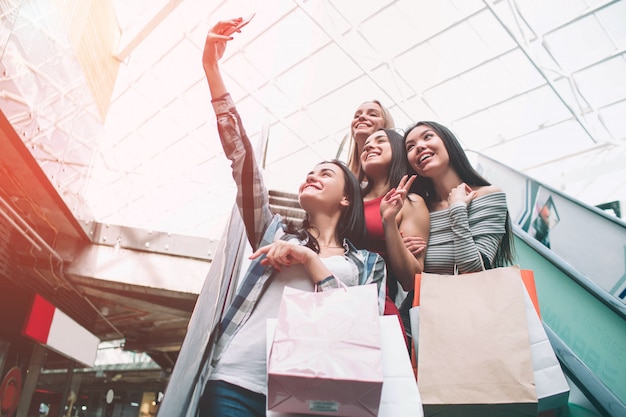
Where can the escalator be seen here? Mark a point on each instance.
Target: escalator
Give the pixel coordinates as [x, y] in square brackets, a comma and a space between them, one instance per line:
[578, 255]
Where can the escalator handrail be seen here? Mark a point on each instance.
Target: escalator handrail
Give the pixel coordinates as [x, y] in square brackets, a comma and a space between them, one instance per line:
[588, 284]
[616, 220]
[183, 391]
[605, 401]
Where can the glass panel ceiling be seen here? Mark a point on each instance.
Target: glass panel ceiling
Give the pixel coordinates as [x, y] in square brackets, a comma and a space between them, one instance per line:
[540, 86]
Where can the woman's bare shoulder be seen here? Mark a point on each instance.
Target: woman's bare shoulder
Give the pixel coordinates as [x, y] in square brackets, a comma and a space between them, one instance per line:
[486, 190]
[415, 200]
[415, 205]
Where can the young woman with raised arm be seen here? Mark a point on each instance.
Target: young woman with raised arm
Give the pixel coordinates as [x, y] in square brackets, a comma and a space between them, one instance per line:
[319, 253]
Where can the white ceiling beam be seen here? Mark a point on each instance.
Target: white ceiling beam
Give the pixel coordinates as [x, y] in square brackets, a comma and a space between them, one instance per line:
[145, 24]
[146, 269]
[543, 74]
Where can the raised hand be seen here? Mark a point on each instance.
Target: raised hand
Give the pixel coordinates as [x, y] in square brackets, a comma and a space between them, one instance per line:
[393, 201]
[461, 193]
[214, 47]
[215, 43]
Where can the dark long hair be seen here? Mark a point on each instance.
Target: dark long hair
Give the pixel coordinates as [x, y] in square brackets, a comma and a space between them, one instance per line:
[399, 164]
[462, 166]
[351, 223]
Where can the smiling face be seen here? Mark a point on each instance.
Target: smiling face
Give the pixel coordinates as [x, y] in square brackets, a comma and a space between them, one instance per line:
[426, 151]
[367, 119]
[377, 152]
[324, 186]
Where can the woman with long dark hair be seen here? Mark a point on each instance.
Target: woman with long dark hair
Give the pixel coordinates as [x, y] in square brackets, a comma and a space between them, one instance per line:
[318, 253]
[470, 226]
[391, 213]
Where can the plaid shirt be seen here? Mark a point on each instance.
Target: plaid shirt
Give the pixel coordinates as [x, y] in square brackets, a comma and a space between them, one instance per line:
[263, 228]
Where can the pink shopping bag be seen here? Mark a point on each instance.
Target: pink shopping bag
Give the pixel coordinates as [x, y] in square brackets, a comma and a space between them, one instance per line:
[326, 354]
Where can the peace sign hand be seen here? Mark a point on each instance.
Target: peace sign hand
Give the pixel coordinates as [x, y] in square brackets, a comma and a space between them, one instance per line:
[393, 201]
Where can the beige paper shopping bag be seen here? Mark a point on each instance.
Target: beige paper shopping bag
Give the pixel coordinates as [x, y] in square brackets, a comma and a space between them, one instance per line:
[474, 352]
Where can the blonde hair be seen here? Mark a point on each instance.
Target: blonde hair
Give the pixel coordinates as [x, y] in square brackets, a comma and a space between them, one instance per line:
[354, 161]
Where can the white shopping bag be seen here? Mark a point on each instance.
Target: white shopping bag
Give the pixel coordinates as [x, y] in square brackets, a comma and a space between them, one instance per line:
[552, 387]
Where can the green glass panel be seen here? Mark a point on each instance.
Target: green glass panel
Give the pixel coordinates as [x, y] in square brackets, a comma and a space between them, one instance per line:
[595, 333]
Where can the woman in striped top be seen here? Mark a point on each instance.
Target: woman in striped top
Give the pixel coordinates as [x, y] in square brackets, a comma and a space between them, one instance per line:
[470, 227]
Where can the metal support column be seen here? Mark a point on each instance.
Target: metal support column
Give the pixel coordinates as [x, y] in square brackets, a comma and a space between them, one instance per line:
[32, 376]
[66, 392]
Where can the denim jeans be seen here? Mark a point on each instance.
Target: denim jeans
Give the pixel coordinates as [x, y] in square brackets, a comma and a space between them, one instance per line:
[221, 399]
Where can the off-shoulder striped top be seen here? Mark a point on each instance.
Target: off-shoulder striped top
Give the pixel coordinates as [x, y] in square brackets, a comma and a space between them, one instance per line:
[460, 234]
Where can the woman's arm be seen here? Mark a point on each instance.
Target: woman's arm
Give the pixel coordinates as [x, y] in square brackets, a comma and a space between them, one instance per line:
[413, 220]
[214, 47]
[404, 216]
[478, 230]
[252, 196]
[281, 254]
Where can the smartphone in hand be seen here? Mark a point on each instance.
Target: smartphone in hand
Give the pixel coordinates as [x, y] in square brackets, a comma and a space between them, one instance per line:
[241, 24]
